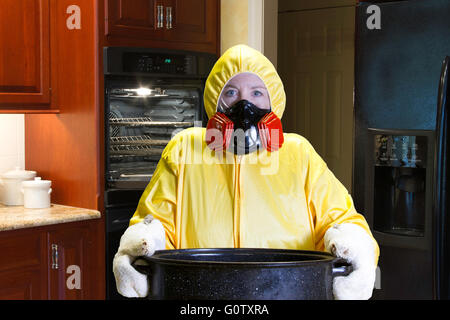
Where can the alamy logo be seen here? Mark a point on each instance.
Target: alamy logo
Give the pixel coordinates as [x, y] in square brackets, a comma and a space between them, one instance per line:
[374, 20]
[200, 153]
[74, 20]
[74, 280]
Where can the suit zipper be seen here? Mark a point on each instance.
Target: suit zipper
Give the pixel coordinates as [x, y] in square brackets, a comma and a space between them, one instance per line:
[237, 199]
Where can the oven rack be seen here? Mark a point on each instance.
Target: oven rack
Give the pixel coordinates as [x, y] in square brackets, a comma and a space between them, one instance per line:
[119, 158]
[146, 121]
[143, 140]
[127, 96]
[135, 150]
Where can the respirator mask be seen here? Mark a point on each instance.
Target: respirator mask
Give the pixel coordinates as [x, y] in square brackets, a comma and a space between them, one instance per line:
[244, 128]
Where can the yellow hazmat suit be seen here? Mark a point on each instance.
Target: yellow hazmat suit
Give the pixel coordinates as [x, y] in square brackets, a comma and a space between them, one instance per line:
[283, 199]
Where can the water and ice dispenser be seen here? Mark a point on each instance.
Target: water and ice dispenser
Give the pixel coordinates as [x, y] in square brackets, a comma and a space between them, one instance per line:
[399, 180]
[398, 206]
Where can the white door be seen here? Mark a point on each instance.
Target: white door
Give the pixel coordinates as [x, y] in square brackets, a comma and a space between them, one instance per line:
[316, 64]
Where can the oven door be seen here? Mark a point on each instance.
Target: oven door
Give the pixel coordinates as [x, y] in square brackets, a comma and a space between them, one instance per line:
[141, 117]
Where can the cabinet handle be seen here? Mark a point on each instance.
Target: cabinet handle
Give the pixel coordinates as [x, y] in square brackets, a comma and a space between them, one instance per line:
[168, 17]
[54, 256]
[160, 17]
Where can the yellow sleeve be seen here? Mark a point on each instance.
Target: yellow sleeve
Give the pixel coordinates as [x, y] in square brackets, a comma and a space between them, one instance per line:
[328, 200]
[160, 196]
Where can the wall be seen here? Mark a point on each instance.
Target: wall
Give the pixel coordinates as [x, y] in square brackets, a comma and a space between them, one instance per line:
[233, 23]
[316, 62]
[252, 22]
[270, 30]
[12, 142]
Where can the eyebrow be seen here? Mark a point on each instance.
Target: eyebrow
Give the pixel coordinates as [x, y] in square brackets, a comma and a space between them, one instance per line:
[259, 87]
[255, 87]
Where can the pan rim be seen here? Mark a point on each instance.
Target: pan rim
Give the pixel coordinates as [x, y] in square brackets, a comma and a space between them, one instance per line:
[160, 257]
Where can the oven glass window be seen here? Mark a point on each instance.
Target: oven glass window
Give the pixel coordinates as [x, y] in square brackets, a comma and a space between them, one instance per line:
[140, 122]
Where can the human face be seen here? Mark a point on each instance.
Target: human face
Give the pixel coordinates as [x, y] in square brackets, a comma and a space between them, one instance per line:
[244, 86]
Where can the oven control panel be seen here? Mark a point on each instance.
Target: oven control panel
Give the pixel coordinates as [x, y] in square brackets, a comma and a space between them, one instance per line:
[158, 63]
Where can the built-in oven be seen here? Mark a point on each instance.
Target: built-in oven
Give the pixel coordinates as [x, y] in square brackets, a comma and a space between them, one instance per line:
[150, 95]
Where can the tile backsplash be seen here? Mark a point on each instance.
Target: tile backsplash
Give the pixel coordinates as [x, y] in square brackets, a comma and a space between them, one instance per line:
[12, 142]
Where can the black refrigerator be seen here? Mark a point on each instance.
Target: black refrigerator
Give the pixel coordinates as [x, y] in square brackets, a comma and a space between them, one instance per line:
[400, 143]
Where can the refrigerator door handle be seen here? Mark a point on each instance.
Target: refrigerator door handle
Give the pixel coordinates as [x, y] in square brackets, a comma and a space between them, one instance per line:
[440, 205]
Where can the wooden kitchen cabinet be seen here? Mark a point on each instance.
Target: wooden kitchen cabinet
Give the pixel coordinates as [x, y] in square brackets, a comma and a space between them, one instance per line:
[25, 70]
[72, 256]
[136, 18]
[46, 262]
[194, 21]
[32, 64]
[23, 270]
[172, 24]
[23, 284]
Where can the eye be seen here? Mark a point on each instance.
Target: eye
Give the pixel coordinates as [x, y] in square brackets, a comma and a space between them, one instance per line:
[230, 92]
[257, 93]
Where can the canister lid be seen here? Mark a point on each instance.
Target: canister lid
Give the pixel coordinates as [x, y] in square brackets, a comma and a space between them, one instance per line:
[37, 183]
[17, 173]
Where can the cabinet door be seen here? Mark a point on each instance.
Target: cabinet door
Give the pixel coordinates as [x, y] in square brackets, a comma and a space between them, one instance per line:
[23, 267]
[193, 21]
[133, 18]
[24, 54]
[194, 24]
[22, 284]
[71, 262]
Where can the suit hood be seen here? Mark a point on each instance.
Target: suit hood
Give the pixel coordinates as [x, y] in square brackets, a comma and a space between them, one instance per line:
[239, 59]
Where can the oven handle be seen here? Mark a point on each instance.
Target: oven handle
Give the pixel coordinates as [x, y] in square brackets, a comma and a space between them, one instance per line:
[135, 175]
[121, 221]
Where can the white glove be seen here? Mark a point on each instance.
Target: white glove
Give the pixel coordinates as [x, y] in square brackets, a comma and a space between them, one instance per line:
[139, 240]
[352, 243]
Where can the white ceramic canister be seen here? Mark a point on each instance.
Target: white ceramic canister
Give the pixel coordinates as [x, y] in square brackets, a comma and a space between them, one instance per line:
[36, 193]
[11, 185]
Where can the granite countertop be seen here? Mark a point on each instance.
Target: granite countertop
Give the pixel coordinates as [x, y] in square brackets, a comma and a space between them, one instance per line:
[18, 217]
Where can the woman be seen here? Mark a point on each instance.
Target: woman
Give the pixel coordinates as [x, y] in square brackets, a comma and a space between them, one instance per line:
[242, 182]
